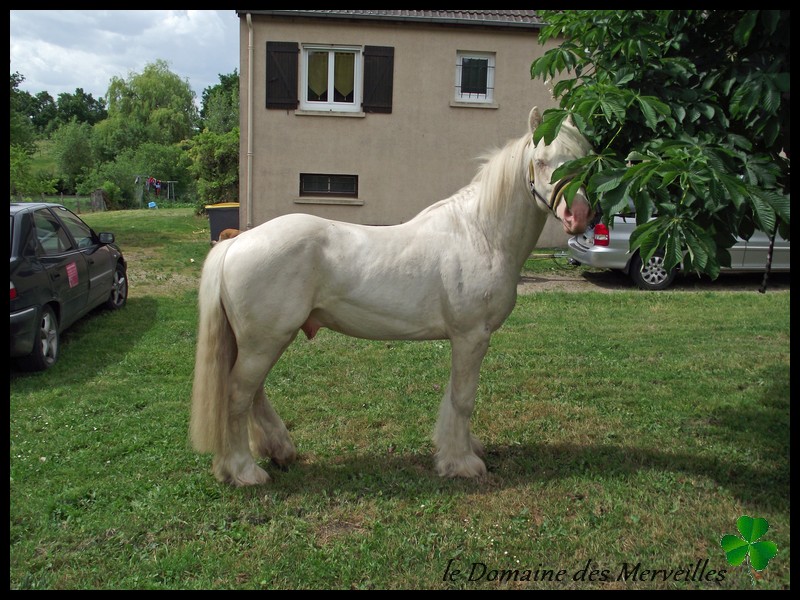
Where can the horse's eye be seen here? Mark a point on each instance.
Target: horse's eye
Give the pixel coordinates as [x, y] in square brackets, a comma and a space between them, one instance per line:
[540, 164]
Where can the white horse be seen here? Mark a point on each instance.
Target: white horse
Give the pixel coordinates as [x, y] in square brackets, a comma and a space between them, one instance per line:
[449, 273]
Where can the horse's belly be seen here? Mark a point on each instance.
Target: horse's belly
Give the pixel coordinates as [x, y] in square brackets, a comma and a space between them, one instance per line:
[378, 323]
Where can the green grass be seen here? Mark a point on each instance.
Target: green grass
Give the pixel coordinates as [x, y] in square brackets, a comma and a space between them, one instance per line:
[621, 429]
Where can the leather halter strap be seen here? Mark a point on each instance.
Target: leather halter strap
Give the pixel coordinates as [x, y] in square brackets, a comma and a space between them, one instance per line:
[558, 190]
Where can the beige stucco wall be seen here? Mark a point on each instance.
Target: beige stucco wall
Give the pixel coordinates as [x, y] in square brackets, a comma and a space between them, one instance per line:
[425, 150]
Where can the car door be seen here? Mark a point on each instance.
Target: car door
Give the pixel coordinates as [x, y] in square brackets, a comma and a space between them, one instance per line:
[757, 248]
[65, 266]
[99, 260]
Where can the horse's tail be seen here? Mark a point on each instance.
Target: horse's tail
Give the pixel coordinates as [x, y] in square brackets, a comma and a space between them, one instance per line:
[214, 359]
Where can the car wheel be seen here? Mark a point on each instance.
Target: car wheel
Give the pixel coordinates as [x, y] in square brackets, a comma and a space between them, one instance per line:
[653, 275]
[119, 289]
[46, 346]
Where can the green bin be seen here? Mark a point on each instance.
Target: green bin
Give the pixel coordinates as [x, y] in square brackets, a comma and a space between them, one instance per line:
[222, 216]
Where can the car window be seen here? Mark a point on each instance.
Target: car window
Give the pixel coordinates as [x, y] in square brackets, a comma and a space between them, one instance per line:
[80, 231]
[52, 236]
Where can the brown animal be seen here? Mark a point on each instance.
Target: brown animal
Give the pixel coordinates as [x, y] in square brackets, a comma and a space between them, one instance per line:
[226, 234]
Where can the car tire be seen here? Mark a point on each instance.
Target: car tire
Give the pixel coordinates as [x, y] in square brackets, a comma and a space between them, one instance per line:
[119, 289]
[653, 275]
[46, 346]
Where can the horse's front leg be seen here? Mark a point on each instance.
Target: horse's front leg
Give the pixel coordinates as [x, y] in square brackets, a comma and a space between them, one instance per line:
[457, 449]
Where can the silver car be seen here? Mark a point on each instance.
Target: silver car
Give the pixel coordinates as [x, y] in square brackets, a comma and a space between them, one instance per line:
[609, 248]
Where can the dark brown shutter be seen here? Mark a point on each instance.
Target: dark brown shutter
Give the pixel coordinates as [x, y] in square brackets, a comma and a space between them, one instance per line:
[378, 78]
[282, 74]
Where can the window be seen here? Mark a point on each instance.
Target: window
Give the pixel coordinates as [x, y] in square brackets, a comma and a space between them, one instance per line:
[52, 237]
[318, 184]
[329, 77]
[79, 230]
[343, 79]
[474, 77]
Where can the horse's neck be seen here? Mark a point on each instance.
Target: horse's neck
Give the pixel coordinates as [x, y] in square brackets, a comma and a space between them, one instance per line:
[515, 226]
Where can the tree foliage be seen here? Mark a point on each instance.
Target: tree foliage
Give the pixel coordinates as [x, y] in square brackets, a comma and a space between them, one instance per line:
[688, 112]
[72, 150]
[45, 115]
[215, 166]
[220, 108]
[21, 131]
[80, 107]
[22, 178]
[152, 106]
[147, 130]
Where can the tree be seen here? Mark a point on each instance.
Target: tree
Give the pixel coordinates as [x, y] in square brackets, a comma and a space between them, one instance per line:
[215, 166]
[153, 106]
[688, 111]
[220, 104]
[44, 113]
[22, 180]
[81, 107]
[21, 130]
[72, 150]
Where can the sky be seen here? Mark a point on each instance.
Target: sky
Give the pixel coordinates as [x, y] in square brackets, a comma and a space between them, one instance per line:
[58, 51]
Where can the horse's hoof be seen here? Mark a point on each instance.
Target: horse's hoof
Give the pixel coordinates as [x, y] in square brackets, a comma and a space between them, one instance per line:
[250, 475]
[254, 475]
[470, 467]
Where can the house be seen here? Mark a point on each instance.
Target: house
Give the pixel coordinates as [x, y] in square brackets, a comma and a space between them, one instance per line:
[370, 116]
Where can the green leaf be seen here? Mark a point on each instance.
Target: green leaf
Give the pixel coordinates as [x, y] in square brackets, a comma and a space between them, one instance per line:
[648, 112]
[761, 553]
[763, 211]
[745, 27]
[616, 200]
[550, 126]
[735, 549]
[750, 528]
[608, 180]
[672, 253]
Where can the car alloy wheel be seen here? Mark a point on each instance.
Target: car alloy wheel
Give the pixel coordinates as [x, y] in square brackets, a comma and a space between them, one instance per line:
[651, 275]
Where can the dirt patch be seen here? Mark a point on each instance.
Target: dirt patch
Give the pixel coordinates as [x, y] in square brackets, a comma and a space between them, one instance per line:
[612, 281]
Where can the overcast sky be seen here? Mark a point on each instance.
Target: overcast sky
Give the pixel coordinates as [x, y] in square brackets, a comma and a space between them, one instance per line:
[59, 51]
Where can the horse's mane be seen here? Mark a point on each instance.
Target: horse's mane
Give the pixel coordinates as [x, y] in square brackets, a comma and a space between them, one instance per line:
[502, 170]
[499, 175]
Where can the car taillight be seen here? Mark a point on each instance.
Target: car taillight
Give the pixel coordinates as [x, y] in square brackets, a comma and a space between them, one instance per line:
[601, 234]
[13, 290]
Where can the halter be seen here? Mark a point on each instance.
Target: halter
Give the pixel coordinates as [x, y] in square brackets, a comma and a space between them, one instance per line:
[558, 190]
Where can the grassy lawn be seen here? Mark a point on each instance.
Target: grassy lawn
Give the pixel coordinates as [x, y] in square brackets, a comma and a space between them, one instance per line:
[625, 435]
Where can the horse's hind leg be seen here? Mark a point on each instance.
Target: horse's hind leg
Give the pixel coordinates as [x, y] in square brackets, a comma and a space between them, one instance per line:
[268, 434]
[458, 449]
[236, 464]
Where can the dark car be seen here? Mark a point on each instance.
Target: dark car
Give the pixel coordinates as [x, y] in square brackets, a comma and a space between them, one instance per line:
[609, 248]
[60, 270]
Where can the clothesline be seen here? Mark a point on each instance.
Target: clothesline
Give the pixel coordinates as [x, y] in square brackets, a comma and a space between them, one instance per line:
[157, 184]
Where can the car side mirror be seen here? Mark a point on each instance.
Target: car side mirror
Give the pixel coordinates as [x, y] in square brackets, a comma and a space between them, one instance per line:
[106, 238]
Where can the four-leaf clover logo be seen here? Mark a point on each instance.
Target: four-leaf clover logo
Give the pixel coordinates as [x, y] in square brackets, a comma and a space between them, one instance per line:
[738, 548]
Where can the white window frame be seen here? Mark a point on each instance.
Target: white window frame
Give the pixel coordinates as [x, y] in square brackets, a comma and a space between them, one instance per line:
[358, 79]
[472, 98]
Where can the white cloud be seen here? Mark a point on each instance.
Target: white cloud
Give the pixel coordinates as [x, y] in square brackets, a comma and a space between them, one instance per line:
[61, 50]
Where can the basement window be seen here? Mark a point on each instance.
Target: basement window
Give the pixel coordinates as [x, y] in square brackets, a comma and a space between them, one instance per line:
[325, 185]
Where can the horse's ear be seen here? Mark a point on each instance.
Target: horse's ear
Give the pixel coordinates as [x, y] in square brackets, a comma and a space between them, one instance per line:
[534, 119]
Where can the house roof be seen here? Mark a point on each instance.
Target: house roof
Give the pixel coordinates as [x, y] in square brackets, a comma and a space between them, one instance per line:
[527, 19]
